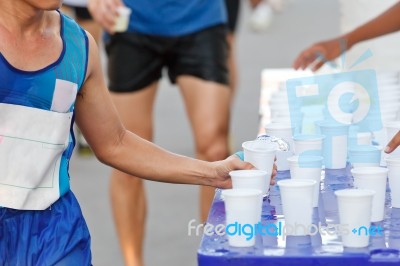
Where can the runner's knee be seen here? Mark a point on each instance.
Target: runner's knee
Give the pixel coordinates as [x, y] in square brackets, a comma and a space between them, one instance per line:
[213, 148]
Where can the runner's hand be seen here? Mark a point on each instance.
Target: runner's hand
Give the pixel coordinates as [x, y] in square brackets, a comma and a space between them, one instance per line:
[105, 12]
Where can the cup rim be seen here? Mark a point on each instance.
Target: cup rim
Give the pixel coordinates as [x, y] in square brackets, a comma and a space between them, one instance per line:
[241, 192]
[368, 171]
[124, 10]
[245, 173]
[331, 125]
[354, 192]
[270, 149]
[393, 159]
[278, 126]
[298, 182]
[368, 148]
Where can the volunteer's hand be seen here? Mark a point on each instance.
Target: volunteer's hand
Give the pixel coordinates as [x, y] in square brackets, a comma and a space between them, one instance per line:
[105, 12]
[221, 178]
[393, 143]
[328, 50]
[240, 154]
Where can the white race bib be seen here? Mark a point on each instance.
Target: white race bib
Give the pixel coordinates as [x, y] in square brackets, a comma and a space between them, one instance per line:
[31, 145]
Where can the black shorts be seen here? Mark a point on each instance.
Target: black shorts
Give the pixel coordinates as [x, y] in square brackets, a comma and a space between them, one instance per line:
[232, 8]
[136, 60]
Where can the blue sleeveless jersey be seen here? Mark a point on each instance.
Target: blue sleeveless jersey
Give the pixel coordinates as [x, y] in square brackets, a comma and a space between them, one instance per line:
[52, 89]
[174, 17]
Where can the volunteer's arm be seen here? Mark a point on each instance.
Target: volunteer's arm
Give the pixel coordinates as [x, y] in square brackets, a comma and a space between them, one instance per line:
[113, 145]
[386, 23]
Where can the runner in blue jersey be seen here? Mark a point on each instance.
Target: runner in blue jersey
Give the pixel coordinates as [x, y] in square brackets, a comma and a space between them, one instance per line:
[188, 38]
[50, 75]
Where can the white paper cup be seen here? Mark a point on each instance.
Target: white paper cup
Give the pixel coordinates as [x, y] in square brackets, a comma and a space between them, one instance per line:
[365, 156]
[285, 132]
[296, 121]
[297, 201]
[242, 207]
[393, 166]
[308, 144]
[373, 178]
[334, 147]
[358, 138]
[122, 20]
[281, 160]
[280, 130]
[355, 207]
[261, 154]
[251, 179]
[307, 167]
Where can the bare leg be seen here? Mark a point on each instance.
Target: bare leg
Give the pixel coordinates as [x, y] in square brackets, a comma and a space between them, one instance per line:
[232, 68]
[207, 104]
[128, 197]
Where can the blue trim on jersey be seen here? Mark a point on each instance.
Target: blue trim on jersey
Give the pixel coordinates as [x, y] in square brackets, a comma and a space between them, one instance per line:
[86, 57]
[60, 58]
[74, 54]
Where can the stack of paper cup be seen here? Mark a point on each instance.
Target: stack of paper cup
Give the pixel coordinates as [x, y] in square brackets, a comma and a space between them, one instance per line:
[308, 144]
[251, 179]
[261, 154]
[243, 209]
[295, 120]
[373, 178]
[307, 167]
[297, 201]
[365, 156]
[285, 132]
[393, 165]
[334, 148]
[354, 207]
[280, 109]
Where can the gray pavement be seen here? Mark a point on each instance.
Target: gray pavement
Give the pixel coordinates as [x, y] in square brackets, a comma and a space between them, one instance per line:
[171, 207]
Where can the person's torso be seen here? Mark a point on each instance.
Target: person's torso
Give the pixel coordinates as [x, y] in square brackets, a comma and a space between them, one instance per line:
[174, 17]
[36, 117]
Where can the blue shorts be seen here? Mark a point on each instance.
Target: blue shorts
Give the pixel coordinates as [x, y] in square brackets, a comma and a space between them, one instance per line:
[55, 236]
